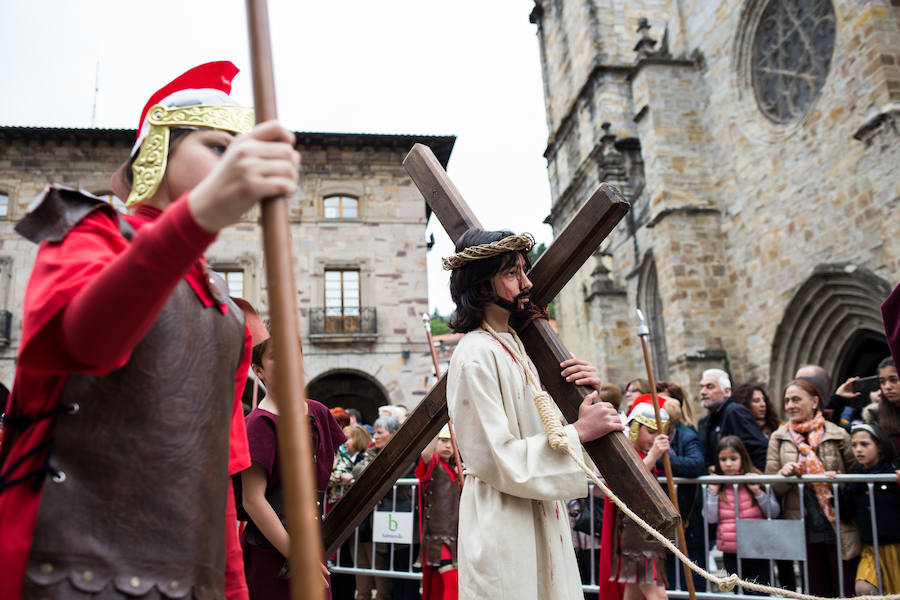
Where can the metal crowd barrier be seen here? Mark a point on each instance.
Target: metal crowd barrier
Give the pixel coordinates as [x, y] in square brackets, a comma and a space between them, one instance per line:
[338, 562]
[772, 539]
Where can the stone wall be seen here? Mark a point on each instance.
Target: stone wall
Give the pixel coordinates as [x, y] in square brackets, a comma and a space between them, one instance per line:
[386, 242]
[736, 211]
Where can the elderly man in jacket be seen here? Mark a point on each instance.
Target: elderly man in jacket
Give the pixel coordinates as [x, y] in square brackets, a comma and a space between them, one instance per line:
[726, 417]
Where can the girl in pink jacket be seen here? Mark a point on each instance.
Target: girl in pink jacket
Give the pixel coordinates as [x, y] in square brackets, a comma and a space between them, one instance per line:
[752, 503]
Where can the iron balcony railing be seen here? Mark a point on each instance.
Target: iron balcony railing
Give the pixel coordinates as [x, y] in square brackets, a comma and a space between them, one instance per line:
[336, 321]
[791, 537]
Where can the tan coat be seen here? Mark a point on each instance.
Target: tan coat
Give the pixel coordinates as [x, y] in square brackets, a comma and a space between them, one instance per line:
[836, 455]
[834, 452]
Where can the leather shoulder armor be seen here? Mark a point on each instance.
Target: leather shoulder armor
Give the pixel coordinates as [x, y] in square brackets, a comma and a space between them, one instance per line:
[58, 209]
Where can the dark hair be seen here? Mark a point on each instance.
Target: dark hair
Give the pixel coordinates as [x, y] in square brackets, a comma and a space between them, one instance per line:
[886, 449]
[888, 412]
[743, 394]
[470, 285]
[889, 416]
[610, 392]
[734, 442]
[258, 351]
[256, 354]
[642, 384]
[675, 391]
[670, 389]
[355, 413]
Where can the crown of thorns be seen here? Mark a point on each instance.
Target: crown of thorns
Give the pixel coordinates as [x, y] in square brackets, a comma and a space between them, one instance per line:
[513, 243]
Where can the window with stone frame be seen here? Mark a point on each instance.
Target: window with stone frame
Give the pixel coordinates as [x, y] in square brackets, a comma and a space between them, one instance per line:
[235, 280]
[342, 306]
[341, 207]
[791, 56]
[4, 205]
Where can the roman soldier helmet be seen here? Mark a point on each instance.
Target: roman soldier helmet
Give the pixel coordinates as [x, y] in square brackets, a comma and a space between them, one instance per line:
[642, 414]
[197, 98]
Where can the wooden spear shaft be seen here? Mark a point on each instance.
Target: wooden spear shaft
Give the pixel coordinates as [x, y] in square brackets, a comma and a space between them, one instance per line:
[437, 373]
[293, 431]
[643, 332]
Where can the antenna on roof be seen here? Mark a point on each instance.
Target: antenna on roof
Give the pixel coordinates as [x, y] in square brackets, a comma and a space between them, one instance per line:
[96, 89]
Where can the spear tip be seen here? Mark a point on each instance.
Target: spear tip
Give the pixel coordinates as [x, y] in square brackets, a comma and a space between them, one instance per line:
[642, 329]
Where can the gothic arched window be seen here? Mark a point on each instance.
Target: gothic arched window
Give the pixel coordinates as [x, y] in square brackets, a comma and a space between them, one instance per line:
[650, 303]
[791, 55]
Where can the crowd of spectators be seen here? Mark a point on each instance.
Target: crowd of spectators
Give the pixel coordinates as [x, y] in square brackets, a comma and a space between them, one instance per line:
[804, 429]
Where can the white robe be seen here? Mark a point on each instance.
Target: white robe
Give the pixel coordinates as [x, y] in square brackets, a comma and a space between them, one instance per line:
[514, 535]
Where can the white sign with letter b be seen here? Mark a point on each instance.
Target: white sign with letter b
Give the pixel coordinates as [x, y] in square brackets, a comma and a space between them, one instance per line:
[392, 527]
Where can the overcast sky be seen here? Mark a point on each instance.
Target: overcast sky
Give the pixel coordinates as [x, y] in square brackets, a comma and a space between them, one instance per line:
[466, 68]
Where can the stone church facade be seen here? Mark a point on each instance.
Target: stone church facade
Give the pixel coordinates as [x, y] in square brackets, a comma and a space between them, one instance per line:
[757, 141]
[359, 248]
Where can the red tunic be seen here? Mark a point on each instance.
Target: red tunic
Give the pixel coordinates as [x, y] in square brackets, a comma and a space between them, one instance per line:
[90, 299]
[263, 563]
[609, 590]
[431, 577]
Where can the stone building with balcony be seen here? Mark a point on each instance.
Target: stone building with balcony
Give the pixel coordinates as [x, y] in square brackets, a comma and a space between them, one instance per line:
[757, 141]
[359, 248]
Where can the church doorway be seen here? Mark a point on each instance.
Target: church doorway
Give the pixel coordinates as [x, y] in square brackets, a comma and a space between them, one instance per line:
[833, 320]
[350, 389]
[861, 356]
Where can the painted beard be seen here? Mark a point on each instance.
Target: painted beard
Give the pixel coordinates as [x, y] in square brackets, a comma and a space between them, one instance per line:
[513, 306]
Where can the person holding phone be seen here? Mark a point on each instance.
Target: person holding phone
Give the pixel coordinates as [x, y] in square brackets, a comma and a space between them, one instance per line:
[849, 400]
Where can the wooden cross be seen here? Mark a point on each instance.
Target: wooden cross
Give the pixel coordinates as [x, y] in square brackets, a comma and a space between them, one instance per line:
[613, 454]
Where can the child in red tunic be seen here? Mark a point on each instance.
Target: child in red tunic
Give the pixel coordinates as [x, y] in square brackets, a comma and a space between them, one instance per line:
[125, 420]
[439, 513]
[630, 566]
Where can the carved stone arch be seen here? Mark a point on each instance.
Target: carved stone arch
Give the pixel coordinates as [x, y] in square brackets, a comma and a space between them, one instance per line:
[349, 388]
[830, 315]
[650, 303]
